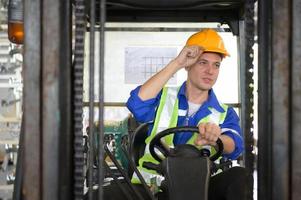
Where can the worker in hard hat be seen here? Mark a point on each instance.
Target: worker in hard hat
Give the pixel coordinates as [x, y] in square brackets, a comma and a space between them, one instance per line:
[194, 103]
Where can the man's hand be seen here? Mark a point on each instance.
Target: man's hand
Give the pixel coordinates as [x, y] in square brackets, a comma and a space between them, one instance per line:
[189, 56]
[208, 134]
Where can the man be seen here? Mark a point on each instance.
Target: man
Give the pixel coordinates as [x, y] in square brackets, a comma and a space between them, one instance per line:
[194, 104]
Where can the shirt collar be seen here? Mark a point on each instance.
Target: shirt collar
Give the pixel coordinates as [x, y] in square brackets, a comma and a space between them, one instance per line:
[182, 91]
[211, 101]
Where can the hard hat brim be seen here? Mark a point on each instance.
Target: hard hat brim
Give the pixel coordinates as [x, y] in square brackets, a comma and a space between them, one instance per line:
[214, 50]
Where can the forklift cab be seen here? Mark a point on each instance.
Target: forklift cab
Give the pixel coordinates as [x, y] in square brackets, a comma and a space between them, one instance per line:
[230, 15]
[56, 70]
[221, 11]
[51, 166]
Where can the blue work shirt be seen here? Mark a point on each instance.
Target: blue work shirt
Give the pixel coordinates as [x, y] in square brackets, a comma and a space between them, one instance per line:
[145, 111]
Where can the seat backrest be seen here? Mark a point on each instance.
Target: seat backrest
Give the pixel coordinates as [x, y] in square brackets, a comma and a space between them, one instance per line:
[137, 142]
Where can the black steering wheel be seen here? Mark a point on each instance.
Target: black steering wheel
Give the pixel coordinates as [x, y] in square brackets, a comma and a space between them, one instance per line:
[157, 143]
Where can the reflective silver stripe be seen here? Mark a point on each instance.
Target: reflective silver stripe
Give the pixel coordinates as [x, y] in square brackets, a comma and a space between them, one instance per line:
[182, 112]
[146, 151]
[148, 176]
[164, 118]
[232, 130]
[215, 116]
[167, 110]
[166, 114]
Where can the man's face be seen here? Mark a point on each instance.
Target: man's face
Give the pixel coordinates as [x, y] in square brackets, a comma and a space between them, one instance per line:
[203, 74]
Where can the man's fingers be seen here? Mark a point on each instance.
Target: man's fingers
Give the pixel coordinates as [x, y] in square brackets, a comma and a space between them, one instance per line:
[213, 128]
[212, 138]
[209, 131]
[194, 51]
[202, 129]
[208, 134]
[200, 142]
[208, 128]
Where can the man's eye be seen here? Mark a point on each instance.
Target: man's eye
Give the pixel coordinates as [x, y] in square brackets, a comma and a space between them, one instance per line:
[203, 62]
[217, 65]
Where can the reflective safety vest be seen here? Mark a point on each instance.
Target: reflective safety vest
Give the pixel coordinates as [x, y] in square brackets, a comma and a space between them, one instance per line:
[167, 117]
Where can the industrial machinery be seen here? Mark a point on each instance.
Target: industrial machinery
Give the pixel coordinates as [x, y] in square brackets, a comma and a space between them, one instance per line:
[51, 159]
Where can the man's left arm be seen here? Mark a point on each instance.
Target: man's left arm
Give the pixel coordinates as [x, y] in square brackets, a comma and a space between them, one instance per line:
[231, 135]
[229, 132]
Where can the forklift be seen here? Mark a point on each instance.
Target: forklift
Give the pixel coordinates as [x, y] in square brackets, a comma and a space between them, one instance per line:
[194, 11]
[185, 187]
[51, 161]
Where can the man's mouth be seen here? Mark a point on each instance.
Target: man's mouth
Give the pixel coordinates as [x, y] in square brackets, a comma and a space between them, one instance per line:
[207, 80]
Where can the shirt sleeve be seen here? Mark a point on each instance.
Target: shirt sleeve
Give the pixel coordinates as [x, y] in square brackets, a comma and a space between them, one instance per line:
[231, 128]
[143, 111]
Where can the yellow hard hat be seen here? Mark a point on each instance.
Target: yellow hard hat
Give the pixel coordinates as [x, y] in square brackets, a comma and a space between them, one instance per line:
[210, 40]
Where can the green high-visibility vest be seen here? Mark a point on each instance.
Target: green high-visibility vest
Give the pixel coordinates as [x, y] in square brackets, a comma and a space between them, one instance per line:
[167, 117]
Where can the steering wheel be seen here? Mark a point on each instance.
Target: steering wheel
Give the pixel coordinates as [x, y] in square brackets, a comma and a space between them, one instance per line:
[157, 143]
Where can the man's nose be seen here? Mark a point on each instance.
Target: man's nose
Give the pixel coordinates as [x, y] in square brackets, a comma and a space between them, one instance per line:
[209, 69]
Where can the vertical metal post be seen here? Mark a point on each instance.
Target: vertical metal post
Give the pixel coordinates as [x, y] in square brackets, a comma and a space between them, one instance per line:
[50, 103]
[264, 164]
[47, 81]
[91, 98]
[32, 100]
[274, 100]
[56, 80]
[102, 17]
[248, 99]
[296, 99]
[281, 62]
[66, 137]
[242, 76]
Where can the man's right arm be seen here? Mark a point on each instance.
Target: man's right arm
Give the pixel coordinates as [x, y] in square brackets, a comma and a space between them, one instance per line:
[143, 110]
[154, 85]
[144, 100]
[187, 57]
